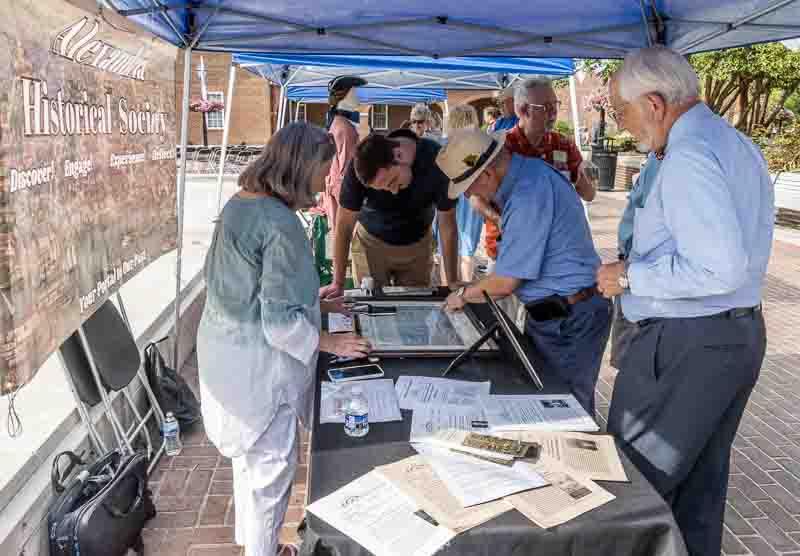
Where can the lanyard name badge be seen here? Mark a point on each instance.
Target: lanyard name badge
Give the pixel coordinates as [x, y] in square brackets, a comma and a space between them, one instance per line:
[560, 163]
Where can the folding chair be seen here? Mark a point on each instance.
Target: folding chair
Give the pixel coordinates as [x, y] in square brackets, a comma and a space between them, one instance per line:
[101, 357]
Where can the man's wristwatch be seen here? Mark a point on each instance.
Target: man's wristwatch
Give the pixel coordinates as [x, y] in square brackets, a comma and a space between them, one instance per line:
[461, 291]
[623, 281]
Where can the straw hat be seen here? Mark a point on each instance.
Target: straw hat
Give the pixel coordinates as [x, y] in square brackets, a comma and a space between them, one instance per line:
[468, 152]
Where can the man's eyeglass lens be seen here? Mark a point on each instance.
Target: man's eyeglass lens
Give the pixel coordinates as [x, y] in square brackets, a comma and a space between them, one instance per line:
[546, 107]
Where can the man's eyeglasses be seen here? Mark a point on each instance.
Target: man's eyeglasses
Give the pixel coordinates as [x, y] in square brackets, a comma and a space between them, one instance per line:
[617, 113]
[419, 122]
[547, 107]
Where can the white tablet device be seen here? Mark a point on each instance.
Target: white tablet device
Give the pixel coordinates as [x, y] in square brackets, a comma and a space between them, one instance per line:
[356, 372]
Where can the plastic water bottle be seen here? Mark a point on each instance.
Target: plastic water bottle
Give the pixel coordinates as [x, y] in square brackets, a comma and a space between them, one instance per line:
[356, 414]
[172, 435]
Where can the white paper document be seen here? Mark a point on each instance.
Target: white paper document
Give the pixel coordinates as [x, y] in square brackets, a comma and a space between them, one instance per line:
[594, 455]
[426, 421]
[568, 495]
[337, 322]
[473, 481]
[380, 393]
[538, 412]
[380, 518]
[420, 391]
[416, 479]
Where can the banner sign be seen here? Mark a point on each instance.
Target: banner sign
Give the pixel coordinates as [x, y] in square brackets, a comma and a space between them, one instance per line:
[87, 169]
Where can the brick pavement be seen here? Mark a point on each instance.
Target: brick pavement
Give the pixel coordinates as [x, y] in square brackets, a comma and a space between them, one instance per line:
[194, 490]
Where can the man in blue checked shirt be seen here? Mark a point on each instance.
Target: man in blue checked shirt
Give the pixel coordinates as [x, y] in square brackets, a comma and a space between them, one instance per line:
[546, 258]
[693, 284]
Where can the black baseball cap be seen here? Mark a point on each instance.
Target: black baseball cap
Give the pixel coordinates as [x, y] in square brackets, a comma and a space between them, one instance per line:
[345, 83]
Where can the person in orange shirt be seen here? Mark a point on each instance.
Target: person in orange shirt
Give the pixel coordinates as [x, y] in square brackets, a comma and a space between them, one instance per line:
[536, 105]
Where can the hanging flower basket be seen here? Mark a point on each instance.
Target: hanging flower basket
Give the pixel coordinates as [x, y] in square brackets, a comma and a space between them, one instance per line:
[206, 106]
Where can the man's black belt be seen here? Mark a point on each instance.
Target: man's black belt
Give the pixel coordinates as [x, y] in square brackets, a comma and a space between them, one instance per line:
[737, 313]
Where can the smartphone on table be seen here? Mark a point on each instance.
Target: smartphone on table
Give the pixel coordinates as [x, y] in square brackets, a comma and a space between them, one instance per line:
[356, 372]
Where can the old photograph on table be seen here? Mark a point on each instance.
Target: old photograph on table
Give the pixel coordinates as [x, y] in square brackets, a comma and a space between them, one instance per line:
[420, 326]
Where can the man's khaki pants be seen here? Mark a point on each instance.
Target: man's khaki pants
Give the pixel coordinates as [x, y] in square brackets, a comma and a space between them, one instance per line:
[401, 265]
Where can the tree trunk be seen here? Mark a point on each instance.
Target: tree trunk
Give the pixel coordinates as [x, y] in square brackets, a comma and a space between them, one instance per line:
[781, 103]
[728, 97]
[743, 107]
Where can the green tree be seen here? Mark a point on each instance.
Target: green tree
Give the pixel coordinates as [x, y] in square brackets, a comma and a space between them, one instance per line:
[751, 85]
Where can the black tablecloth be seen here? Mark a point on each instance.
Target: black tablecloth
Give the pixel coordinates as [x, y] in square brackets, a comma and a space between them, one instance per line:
[637, 522]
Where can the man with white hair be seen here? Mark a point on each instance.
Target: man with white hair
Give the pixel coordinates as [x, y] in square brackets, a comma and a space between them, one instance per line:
[547, 258]
[692, 283]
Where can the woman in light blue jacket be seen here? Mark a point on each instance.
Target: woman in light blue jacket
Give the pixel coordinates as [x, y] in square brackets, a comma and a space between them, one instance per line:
[259, 336]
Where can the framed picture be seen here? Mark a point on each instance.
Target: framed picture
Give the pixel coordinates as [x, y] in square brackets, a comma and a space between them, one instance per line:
[420, 328]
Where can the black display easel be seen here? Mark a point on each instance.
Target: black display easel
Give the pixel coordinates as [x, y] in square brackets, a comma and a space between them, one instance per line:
[509, 330]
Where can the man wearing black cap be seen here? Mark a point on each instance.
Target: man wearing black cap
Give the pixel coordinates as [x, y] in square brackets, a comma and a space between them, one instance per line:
[388, 198]
[342, 120]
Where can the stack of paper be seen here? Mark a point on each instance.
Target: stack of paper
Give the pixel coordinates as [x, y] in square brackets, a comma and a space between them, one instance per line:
[380, 394]
[593, 455]
[422, 391]
[381, 518]
[473, 481]
[427, 421]
[546, 412]
[416, 478]
[569, 495]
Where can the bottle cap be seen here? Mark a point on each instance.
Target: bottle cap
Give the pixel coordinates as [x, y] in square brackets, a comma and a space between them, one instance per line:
[170, 414]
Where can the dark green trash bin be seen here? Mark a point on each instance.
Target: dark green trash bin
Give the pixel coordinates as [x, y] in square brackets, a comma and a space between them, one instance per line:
[606, 163]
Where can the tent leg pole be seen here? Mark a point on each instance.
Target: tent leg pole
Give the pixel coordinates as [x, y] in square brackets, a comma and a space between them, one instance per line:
[225, 134]
[297, 112]
[187, 85]
[573, 104]
[281, 107]
[285, 110]
[576, 123]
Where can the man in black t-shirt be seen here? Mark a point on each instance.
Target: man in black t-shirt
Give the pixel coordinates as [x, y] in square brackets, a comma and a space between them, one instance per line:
[386, 207]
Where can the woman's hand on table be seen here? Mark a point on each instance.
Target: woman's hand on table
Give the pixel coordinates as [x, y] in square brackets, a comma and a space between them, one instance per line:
[334, 305]
[331, 291]
[344, 345]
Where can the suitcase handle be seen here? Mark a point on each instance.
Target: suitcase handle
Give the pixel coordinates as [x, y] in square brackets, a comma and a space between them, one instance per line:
[135, 505]
[57, 478]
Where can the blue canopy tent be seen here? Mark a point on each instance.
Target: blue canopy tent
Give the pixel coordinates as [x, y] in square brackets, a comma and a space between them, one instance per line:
[453, 28]
[369, 95]
[441, 29]
[397, 73]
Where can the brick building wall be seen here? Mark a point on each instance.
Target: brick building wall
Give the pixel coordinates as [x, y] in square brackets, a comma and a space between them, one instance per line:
[255, 103]
[252, 118]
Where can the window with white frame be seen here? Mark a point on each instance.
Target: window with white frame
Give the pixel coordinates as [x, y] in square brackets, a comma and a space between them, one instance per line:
[379, 117]
[216, 120]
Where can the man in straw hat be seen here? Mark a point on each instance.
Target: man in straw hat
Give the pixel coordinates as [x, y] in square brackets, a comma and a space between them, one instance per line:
[547, 257]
